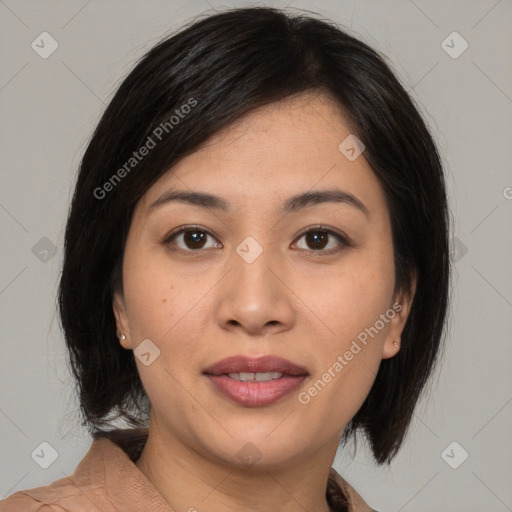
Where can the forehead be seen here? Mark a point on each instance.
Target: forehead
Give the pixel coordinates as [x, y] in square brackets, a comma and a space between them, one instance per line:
[272, 153]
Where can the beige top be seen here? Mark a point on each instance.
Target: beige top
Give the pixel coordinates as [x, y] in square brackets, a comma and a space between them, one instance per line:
[107, 480]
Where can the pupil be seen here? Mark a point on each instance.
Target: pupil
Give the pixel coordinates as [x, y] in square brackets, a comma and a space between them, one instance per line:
[195, 237]
[317, 238]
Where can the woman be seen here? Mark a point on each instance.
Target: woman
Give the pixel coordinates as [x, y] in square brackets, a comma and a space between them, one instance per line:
[255, 270]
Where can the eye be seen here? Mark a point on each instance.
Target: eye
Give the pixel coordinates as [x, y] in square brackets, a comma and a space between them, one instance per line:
[192, 238]
[319, 238]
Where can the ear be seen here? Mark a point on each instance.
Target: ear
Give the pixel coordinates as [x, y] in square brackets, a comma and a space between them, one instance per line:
[402, 303]
[122, 326]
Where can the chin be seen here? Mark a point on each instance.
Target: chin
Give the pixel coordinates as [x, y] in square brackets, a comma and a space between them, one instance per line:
[253, 448]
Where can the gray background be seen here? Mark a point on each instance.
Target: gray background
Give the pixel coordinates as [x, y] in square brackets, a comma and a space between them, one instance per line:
[49, 108]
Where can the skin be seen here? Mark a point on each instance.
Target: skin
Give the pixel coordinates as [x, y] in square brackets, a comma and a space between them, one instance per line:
[294, 301]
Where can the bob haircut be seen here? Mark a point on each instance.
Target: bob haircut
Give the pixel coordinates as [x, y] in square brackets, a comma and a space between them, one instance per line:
[184, 90]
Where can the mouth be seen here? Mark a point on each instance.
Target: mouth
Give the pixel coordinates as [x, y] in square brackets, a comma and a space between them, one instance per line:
[255, 382]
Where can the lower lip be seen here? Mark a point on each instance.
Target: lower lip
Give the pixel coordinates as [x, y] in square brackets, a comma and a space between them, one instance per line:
[256, 394]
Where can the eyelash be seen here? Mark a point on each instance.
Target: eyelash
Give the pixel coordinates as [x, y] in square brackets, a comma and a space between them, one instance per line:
[312, 229]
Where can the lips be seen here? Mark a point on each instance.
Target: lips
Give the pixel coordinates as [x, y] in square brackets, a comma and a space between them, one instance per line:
[255, 382]
[242, 364]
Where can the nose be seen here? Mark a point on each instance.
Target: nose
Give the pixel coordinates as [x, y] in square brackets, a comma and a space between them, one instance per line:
[254, 296]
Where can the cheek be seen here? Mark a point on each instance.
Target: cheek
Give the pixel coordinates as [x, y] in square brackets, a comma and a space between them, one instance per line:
[155, 296]
[159, 309]
[350, 352]
[357, 295]
[167, 308]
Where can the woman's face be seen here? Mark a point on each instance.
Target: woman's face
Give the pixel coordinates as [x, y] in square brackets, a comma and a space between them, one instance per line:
[260, 278]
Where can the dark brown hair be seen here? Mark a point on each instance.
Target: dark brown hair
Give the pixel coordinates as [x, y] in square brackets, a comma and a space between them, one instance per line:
[225, 65]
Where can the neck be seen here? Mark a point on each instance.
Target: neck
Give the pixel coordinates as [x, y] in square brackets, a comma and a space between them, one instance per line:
[190, 481]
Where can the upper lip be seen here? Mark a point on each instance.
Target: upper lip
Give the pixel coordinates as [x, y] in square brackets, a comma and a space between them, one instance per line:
[237, 364]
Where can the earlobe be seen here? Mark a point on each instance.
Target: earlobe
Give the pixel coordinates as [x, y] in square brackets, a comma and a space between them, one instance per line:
[402, 308]
[391, 348]
[122, 330]
[124, 342]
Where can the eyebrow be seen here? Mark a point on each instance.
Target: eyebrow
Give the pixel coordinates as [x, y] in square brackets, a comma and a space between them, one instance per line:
[292, 204]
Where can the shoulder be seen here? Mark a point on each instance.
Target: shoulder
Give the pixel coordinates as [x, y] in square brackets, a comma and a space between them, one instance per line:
[63, 495]
[105, 479]
[67, 494]
[24, 501]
